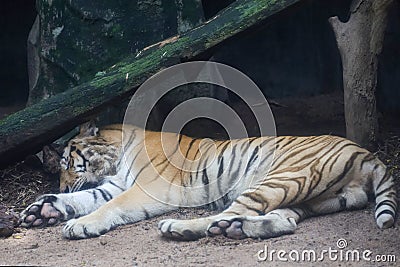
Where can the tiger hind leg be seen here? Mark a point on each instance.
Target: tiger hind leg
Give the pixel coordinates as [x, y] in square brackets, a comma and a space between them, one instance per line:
[230, 225]
[284, 221]
[273, 224]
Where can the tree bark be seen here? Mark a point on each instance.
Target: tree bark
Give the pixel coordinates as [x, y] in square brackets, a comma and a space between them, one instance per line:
[26, 132]
[360, 42]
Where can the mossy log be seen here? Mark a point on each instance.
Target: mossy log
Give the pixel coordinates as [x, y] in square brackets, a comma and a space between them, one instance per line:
[27, 131]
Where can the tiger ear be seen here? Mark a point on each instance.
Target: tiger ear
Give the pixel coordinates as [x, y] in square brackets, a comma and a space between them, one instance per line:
[88, 129]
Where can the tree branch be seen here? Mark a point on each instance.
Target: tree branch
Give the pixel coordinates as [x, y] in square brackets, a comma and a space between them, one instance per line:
[26, 132]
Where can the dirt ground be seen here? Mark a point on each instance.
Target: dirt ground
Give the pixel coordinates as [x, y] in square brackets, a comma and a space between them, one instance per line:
[140, 244]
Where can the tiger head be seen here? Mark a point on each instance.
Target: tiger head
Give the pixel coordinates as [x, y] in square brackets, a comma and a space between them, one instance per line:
[89, 157]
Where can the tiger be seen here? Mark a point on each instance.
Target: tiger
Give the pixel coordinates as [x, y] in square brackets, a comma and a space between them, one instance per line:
[262, 186]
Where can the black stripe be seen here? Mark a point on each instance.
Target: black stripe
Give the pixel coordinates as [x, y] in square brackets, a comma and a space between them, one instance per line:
[347, 167]
[283, 187]
[342, 202]
[289, 142]
[190, 146]
[253, 197]
[233, 157]
[133, 162]
[190, 179]
[167, 157]
[117, 186]
[301, 148]
[205, 162]
[204, 178]
[249, 144]
[308, 212]
[253, 158]
[267, 141]
[145, 166]
[316, 179]
[221, 168]
[233, 212]
[184, 160]
[226, 142]
[221, 154]
[159, 173]
[266, 157]
[384, 179]
[259, 212]
[197, 152]
[369, 157]
[225, 200]
[130, 140]
[206, 181]
[146, 213]
[163, 169]
[387, 202]
[106, 195]
[219, 178]
[295, 211]
[94, 196]
[383, 191]
[235, 173]
[82, 156]
[391, 213]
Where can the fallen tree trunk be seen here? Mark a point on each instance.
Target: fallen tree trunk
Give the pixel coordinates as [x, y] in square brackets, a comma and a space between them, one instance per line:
[360, 42]
[26, 132]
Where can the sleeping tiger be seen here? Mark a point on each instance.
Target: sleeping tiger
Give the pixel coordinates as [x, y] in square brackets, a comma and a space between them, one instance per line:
[265, 186]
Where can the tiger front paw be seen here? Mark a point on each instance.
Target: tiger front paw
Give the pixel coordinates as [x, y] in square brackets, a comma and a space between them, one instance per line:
[84, 227]
[180, 229]
[48, 210]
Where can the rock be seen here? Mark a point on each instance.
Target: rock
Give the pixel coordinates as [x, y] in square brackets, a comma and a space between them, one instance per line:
[51, 158]
[8, 220]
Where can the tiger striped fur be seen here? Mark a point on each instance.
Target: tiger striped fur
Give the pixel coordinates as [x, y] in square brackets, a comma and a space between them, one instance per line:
[264, 185]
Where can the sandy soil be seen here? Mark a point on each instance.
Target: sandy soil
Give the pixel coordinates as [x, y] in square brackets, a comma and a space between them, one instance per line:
[140, 244]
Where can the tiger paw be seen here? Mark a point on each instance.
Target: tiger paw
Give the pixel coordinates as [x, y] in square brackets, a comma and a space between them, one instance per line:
[84, 227]
[266, 226]
[48, 210]
[230, 228]
[180, 229]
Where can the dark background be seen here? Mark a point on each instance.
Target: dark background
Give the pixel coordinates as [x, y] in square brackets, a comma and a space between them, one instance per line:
[288, 57]
[16, 19]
